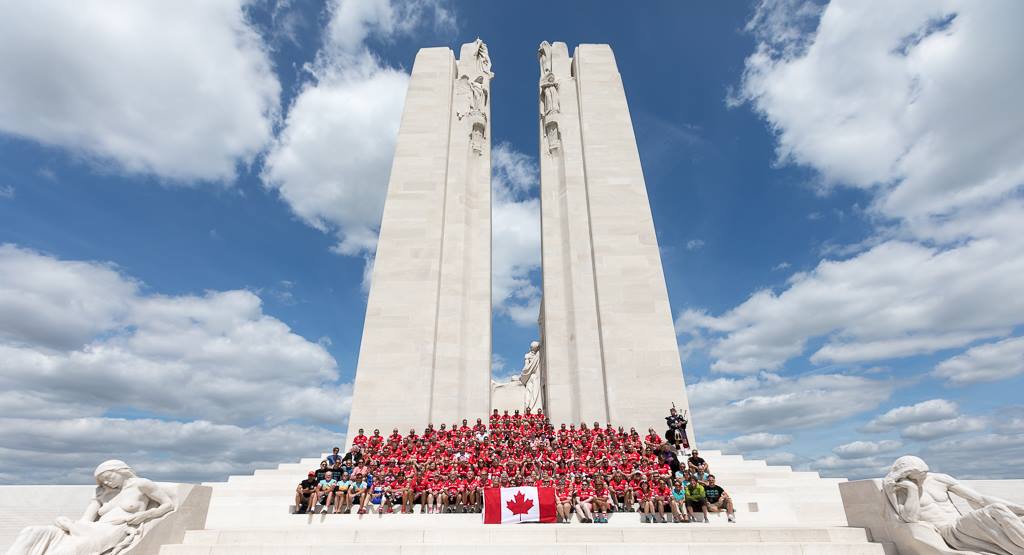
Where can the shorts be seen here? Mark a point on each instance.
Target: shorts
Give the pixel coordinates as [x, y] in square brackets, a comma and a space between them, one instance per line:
[396, 497]
[695, 505]
[720, 504]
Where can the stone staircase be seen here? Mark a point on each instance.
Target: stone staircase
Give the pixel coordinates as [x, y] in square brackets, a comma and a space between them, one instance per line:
[779, 512]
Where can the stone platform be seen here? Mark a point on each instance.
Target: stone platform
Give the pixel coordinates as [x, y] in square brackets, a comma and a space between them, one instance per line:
[779, 512]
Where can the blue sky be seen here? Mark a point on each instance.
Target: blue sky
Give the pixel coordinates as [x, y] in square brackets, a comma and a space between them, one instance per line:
[189, 197]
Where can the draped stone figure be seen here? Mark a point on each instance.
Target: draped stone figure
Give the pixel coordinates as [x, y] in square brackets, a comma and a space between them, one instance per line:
[544, 58]
[530, 376]
[483, 58]
[932, 524]
[549, 104]
[113, 523]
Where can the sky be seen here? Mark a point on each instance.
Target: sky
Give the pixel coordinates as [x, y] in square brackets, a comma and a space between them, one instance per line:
[190, 194]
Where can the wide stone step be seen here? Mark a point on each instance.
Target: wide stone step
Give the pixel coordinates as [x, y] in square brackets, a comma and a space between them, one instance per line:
[529, 534]
[517, 549]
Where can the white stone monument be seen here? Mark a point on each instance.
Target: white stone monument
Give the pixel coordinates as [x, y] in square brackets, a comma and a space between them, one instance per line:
[428, 316]
[609, 342]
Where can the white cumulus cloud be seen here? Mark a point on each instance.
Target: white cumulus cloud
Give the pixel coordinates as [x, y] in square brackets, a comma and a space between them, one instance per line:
[862, 449]
[909, 104]
[183, 90]
[515, 214]
[925, 411]
[190, 365]
[984, 363]
[771, 403]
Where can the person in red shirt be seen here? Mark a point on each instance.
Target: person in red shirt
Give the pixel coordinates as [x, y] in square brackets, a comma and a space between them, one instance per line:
[435, 491]
[375, 441]
[601, 500]
[360, 439]
[645, 496]
[622, 492]
[451, 499]
[563, 500]
[652, 439]
[585, 501]
[661, 497]
[471, 492]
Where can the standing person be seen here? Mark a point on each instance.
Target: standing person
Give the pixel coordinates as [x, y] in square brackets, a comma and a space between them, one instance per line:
[304, 492]
[696, 500]
[718, 500]
[676, 432]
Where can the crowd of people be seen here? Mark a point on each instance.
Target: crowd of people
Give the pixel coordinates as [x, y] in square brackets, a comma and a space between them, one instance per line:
[594, 470]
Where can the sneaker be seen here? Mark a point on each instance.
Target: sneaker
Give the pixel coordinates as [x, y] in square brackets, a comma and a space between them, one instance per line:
[732, 519]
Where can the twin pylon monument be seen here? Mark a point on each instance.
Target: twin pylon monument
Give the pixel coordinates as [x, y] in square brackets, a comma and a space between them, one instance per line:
[608, 346]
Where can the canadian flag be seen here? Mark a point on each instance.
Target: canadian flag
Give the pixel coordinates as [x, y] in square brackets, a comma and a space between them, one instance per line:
[525, 504]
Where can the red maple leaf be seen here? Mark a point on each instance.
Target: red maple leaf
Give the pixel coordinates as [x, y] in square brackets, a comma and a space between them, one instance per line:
[519, 505]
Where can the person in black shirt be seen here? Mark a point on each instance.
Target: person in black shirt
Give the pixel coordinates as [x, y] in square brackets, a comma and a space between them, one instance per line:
[320, 472]
[696, 462]
[718, 500]
[676, 432]
[303, 491]
[352, 458]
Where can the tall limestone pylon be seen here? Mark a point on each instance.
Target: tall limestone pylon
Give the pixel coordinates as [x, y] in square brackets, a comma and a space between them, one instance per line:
[426, 348]
[609, 345]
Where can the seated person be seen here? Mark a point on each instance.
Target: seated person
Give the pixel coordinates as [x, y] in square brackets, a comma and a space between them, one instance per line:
[696, 500]
[621, 491]
[678, 501]
[341, 493]
[376, 495]
[360, 439]
[320, 472]
[652, 439]
[334, 457]
[325, 491]
[353, 458]
[718, 500]
[304, 491]
[357, 492]
[695, 462]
